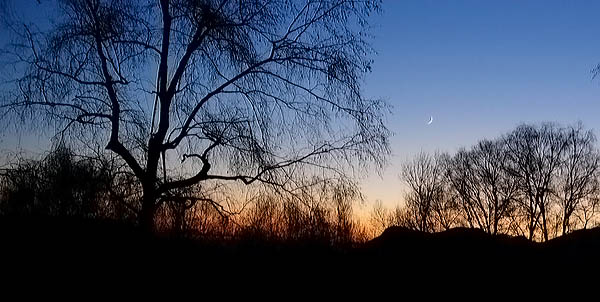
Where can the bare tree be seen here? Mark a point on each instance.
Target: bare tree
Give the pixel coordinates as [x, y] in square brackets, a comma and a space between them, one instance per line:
[577, 176]
[486, 192]
[534, 156]
[402, 217]
[536, 181]
[587, 213]
[425, 178]
[187, 92]
[320, 214]
[343, 196]
[379, 218]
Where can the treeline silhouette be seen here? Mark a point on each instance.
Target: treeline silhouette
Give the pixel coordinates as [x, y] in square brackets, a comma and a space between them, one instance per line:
[60, 184]
[537, 181]
[460, 211]
[75, 215]
[63, 185]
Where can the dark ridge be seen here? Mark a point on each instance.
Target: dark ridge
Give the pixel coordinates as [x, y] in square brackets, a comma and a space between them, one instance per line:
[457, 238]
[579, 248]
[397, 237]
[473, 250]
[91, 246]
[36, 248]
[586, 238]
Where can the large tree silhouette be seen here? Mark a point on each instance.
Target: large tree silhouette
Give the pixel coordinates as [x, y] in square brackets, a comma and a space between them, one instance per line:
[190, 91]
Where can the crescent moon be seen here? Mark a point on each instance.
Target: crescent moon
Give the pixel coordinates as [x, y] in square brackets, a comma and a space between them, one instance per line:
[430, 120]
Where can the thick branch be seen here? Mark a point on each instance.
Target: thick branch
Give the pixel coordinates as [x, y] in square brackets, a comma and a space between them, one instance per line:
[203, 173]
[114, 144]
[164, 53]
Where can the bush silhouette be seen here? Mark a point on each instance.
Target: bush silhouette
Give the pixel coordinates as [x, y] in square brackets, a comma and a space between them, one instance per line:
[60, 184]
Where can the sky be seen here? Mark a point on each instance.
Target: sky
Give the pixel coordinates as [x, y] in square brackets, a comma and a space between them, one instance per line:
[479, 68]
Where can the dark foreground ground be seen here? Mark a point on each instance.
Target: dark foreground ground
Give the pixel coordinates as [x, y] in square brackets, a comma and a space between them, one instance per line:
[73, 251]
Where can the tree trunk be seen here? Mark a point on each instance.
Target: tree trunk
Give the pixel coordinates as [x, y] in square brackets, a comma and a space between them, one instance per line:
[495, 225]
[146, 218]
[565, 222]
[149, 199]
[531, 226]
[544, 225]
[566, 218]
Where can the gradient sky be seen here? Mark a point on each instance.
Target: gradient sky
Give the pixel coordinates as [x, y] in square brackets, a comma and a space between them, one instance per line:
[478, 67]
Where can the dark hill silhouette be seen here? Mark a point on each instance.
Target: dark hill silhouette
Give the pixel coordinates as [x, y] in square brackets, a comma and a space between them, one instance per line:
[460, 253]
[475, 250]
[41, 246]
[587, 238]
[38, 247]
[396, 237]
[579, 248]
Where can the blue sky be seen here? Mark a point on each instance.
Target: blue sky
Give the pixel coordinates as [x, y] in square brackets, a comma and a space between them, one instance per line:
[480, 68]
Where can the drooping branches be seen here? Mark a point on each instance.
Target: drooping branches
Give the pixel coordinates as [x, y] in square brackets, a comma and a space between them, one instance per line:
[240, 90]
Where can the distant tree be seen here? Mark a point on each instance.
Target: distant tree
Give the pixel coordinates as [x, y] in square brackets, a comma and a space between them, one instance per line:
[485, 191]
[537, 181]
[446, 210]
[189, 92]
[343, 195]
[321, 214]
[577, 175]
[534, 157]
[326, 209]
[587, 213]
[379, 218]
[401, 217]
[264, 218]
[424, 176]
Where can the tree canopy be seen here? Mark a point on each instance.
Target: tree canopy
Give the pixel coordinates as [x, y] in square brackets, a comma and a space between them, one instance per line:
[191, 91]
